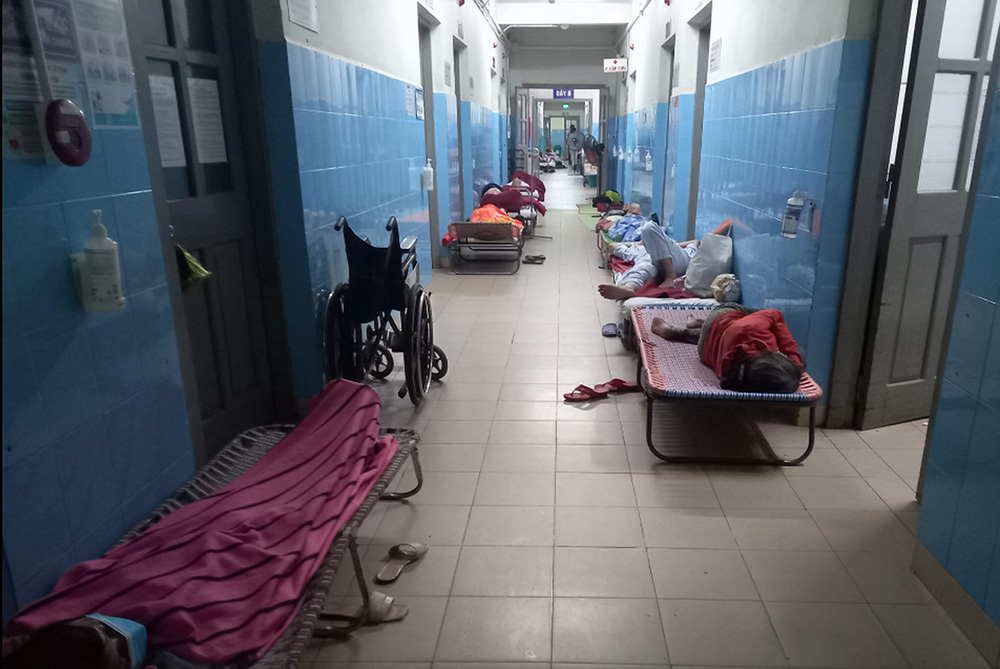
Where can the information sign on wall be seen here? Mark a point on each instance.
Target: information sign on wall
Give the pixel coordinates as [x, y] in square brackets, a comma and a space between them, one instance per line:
[562, 93]
[616, 64]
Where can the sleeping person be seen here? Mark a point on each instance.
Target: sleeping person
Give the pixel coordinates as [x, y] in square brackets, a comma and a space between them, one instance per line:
[750, 351]
[664, 259]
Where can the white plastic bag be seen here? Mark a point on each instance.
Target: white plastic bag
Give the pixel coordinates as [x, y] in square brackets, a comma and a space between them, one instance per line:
[714, 257]
[726, 288]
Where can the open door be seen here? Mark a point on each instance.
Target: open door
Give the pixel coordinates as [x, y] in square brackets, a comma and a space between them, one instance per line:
[928, 194]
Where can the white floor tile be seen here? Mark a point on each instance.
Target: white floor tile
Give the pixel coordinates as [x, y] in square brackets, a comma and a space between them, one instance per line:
[686, 573]
[720, 632]
[801, 576]
[491, 629]
[510, 526]
[511, 458]
[602, 572]
[591, 459]
[833, 635]
[594, 490]
[504, 571]
[607, 630]
[411, 639]
[766, 529]
[611, 527]
[686, 528]
[515, 489]
[928, 638]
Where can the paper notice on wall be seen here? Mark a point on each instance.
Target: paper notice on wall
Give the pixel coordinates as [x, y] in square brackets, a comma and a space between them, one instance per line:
[304, 13]
[206, 113]
[715, 56]
[22, 138]
[419, 98]
[411, 107]
[168, 121]
[107, 62]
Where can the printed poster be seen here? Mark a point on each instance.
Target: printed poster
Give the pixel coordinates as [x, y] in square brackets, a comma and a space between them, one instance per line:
[419, 97]
[411, 107]
[107, 62]
[206, 113]
[167, 117]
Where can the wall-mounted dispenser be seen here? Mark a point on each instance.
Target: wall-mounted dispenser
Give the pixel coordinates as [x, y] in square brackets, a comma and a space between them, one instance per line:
[649, 162]
[98, 271]
[427, 176]
[793, 213]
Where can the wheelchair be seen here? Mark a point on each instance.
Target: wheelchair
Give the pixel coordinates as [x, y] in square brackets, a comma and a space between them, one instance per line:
[360, 329]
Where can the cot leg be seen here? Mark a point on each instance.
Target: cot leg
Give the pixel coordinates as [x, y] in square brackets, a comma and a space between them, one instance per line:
[418, 471]
[770, 459]
[324, 630]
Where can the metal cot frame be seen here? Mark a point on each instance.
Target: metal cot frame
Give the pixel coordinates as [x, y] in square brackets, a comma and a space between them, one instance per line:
[235, 459]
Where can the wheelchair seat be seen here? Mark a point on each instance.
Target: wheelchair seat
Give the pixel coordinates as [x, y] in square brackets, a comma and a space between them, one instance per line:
[377, 283]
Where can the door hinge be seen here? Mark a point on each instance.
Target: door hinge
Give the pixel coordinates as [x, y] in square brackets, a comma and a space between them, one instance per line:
[891, 177]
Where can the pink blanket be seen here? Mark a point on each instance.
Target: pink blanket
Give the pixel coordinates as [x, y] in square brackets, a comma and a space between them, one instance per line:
[219, 580]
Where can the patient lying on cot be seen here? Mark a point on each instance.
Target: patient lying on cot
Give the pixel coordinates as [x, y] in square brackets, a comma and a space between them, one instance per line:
[664, 259]
[750, 351]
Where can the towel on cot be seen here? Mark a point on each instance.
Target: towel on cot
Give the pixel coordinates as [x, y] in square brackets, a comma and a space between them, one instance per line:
[220, 579]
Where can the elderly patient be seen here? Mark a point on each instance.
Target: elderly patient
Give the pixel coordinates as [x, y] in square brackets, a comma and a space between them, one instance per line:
[749, 350]
[664, 259]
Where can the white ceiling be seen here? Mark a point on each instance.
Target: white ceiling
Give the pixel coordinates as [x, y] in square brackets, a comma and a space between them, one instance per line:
[598, 36]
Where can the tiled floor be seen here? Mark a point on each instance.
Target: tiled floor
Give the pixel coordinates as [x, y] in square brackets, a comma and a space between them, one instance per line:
[556, 538]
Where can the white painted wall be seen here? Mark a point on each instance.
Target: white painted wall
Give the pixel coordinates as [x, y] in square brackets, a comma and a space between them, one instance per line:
[487, 89]
[384, 36]
[379, 35]
[648, 60]
[759, 32]
[576, 13]
[560, 67]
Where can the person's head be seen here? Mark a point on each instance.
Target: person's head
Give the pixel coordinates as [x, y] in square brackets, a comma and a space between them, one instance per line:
[81, 643]
[490, 186]
[572, 128]
[767, 372]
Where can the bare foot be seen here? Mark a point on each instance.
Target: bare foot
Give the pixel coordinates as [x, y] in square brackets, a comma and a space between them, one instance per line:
[661, 329]
[610, 292]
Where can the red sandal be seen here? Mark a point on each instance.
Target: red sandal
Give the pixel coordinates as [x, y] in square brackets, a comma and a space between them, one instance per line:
[584, 393]
[617, 386]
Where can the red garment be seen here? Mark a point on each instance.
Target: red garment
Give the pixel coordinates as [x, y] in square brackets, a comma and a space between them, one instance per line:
[526, 199]
[534, 182]
[619, 265]
[220, 579]
[751, 334]
[508, 200]
[652, 288]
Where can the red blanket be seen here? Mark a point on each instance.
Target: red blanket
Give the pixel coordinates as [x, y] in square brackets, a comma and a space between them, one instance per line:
[220, 579]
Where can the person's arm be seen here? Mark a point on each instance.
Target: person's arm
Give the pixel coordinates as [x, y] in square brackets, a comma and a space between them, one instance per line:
[687, 243]
[786, 342]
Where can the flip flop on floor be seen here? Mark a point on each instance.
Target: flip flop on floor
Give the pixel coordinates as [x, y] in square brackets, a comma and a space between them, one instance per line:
[382, 609]
[400, 555]
[584, 393]
[533, 260]
[610, 330]
[617, 386]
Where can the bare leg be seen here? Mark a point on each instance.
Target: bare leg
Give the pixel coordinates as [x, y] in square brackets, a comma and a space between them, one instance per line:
[622, 292]
[666, 270]
[670, 333]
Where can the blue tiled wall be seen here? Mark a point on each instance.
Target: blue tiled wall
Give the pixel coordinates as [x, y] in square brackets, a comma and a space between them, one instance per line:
[442, 166]
[454, 165]
[471, 198]
[95, 429]
[350, 149]
[651, 137]
[677, 172]
[484, 149]
[795, 124]
[960, 510]
[628, 166]
[611, 151]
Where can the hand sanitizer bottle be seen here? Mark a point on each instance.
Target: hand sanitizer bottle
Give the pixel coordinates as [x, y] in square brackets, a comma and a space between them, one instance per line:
[102, 285]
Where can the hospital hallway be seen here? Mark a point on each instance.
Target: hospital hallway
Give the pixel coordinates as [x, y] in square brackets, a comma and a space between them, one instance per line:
[555, 536]
[488, 334]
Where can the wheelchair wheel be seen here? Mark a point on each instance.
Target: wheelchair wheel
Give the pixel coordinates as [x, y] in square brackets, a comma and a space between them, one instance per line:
[339, 346]
[439, 366]
[382, 364]
[418, 345]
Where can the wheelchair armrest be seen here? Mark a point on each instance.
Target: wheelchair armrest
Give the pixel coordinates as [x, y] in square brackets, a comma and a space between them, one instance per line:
[408, 243]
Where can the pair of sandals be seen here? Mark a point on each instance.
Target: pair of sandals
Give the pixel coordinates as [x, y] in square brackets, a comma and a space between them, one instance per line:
[341, 618]
[533, 260]
[584, 393]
